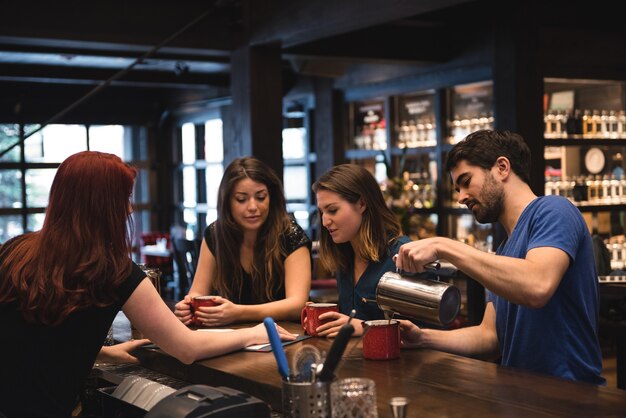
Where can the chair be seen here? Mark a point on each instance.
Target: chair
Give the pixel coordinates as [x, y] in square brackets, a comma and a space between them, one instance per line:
[164, 263]
[186, 253]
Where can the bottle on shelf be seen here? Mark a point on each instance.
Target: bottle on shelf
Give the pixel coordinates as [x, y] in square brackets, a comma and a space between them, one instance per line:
[605, 130]
[612, 121]
[574, 124]
[403, 134]
[615, 190]
[606, 189]
[431, 133]
[596, 124]
[621, 124]
[579, 191]
[587, 124]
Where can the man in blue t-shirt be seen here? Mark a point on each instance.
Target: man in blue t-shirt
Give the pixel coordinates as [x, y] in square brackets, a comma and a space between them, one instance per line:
[542, 308]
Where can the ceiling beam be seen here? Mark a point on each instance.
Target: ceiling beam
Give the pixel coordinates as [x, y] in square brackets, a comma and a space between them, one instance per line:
[82, 76]
[386, 44]
[296, 22]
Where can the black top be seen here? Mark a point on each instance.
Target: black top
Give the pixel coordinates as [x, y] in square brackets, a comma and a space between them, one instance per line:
[293, 239]
[44, 367]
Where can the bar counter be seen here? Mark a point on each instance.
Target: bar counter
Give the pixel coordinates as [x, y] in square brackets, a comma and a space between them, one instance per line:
[438, 384]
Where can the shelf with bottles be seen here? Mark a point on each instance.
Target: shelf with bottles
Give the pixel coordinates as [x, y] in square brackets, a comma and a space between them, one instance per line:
[416, 126]
[577, 112]
[470, 109]
[369, 128]
[412, 179]
[592, 177]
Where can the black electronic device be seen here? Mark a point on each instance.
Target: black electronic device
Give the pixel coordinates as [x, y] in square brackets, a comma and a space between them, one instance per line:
[199, 401]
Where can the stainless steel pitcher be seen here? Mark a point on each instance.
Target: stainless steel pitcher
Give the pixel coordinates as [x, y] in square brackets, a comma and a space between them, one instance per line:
[427, 300]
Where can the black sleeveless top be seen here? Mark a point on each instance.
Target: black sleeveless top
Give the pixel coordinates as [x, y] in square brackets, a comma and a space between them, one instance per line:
[293, 239]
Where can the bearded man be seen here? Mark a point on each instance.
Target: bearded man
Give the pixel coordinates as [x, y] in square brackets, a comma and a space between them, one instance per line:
[542, 305]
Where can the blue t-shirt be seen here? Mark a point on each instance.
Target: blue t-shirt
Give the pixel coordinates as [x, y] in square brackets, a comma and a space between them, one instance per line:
[350, 296]
[560, 338]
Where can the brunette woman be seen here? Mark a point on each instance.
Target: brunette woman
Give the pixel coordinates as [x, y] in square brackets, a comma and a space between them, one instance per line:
[360, 235]
[254, 257]
[61, 287]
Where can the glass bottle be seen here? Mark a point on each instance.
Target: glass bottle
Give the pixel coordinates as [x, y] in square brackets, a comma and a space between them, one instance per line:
[587, 124]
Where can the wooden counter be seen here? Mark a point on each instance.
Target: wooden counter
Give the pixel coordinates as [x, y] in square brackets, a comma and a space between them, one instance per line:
[438, 384]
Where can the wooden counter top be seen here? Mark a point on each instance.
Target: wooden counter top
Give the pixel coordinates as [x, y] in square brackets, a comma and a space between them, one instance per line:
[438, 384]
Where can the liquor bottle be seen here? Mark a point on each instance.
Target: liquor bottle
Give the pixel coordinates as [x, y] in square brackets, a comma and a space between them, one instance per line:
[560, 124]
[621, 124]
[548, 123]
[606, 189]
[431, 133]
[615, 192]
[403, 134]
[595, 124]
[412, 143]
[597, 185]
[604, 130]
[587, 124]
[591, 189]
[575, 123]
[421, 133]
[580, 190]
[613, 131]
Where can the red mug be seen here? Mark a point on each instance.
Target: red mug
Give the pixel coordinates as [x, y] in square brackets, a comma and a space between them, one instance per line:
[381, 339]
[312, 314]
[198, 301]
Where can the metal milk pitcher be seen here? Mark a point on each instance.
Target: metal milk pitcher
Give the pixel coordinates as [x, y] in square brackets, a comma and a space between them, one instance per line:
[427, 300]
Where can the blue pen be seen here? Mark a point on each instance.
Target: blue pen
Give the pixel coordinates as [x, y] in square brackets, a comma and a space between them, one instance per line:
[277, 347]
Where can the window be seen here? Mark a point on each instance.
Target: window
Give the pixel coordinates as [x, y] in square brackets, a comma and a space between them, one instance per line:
[28, 169]
[296, 181]
[202, 156]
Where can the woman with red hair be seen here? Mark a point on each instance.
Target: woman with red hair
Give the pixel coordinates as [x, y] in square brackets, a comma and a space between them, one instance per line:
[61, 287]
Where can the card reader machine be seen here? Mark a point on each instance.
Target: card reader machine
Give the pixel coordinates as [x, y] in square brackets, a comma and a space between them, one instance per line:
[199, 401]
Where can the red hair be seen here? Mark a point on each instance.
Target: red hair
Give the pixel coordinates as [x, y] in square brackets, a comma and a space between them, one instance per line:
[81, 254]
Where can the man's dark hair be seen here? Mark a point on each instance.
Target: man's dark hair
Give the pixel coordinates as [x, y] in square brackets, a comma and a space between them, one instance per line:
[482, 148]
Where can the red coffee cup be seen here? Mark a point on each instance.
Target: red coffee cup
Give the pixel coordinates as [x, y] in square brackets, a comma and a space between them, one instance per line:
[381, 339]
[198, 301]
[312, 314]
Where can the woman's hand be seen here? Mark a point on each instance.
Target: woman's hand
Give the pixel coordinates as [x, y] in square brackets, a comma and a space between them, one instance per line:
[410, 334]
[258, 334]
[120, 353]
[335, 321]
[224, 313]
[182, 310]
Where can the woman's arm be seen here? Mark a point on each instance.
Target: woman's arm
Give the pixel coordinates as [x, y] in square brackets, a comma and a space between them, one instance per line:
[205, 271]
[120, 353]
[150, 315]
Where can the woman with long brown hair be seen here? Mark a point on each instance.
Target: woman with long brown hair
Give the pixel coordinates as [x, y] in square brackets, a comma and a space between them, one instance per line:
[61, 287]
[360, 235]
[254, 257]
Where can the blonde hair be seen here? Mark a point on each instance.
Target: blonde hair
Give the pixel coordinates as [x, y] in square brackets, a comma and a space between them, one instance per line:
[379, 226]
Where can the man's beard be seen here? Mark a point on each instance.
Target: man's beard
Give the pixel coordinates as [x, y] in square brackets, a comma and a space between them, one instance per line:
[491, 201]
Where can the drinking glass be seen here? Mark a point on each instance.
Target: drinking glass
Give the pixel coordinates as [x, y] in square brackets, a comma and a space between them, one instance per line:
[353, 397]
